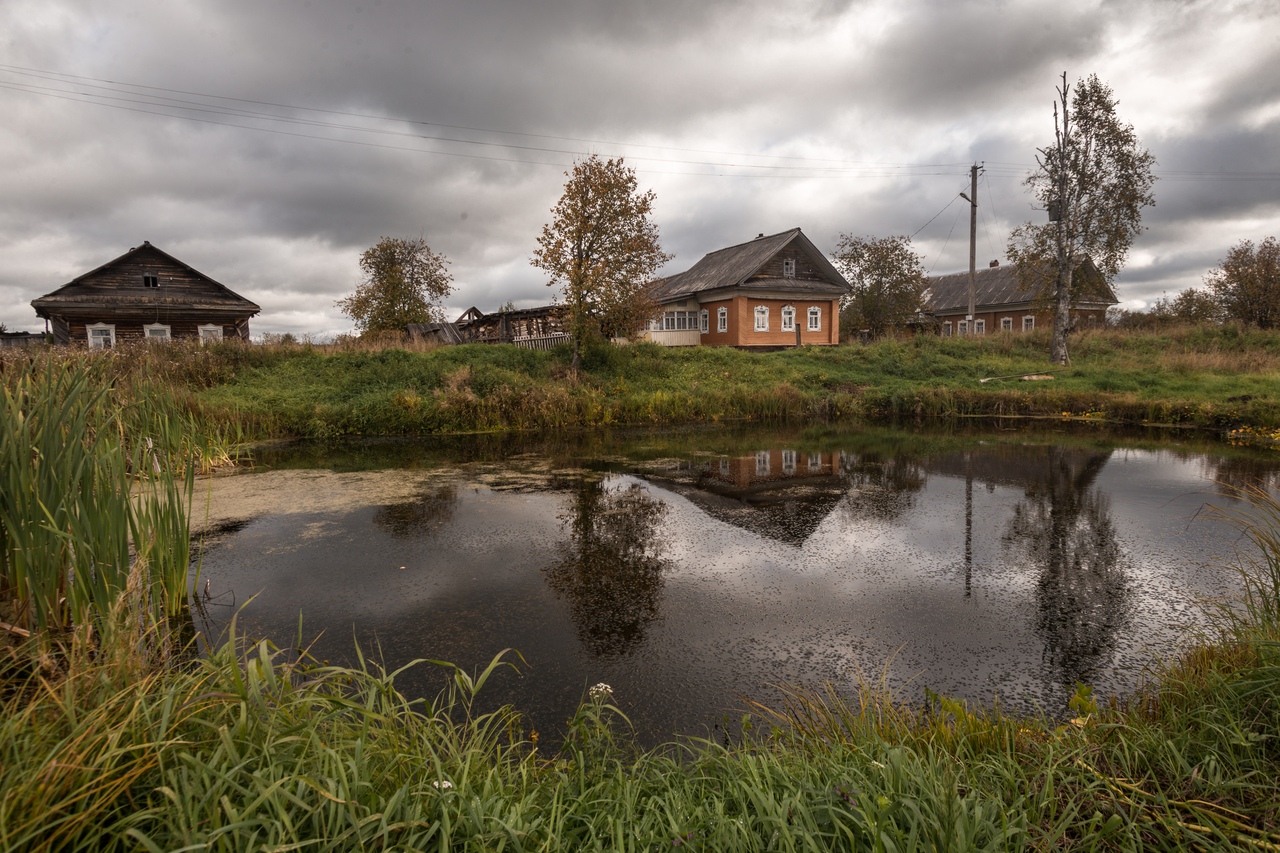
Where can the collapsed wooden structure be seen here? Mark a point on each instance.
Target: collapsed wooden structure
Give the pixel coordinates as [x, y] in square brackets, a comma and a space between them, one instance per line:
[532, 328]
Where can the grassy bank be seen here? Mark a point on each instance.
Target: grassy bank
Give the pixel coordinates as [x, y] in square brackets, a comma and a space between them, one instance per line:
[256, 749]
[1217, 378]
[110, 741]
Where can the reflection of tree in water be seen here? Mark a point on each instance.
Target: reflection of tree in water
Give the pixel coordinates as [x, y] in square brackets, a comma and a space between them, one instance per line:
[879, 487]
[1235, 476]
[1065, 527]
[430, 511]
[611, 568]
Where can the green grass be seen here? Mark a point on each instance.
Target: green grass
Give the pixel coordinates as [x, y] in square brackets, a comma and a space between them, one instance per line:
[1222, 378]
[113, 742]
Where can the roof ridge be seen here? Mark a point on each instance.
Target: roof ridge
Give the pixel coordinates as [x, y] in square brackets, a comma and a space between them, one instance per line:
[753, 240]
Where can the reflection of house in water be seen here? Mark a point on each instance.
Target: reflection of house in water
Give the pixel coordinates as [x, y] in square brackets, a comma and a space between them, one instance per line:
[779, 493]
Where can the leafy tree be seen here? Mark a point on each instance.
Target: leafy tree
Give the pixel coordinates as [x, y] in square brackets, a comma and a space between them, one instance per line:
[887, 280]
[1247, 283]
[602, 247]
[1094, 181]
[404, 282]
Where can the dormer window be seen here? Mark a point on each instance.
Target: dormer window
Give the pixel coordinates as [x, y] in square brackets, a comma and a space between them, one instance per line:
[788, 267]
[150, 279]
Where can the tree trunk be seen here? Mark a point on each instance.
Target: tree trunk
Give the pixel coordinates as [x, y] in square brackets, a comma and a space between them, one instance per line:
[1061, 315]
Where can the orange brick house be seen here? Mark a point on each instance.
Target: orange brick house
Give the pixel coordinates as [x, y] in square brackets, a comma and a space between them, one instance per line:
[770, 292]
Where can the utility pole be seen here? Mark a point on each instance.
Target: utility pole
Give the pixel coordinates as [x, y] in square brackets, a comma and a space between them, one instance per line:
[972, 198]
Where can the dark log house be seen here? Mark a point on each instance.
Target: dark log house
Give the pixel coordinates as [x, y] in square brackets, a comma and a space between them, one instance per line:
[145, 294]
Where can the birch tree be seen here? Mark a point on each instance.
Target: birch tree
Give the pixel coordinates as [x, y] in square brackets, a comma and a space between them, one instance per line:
[1094, 181]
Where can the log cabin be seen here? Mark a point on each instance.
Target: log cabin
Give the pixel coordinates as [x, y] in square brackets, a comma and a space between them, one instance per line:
[145, 294]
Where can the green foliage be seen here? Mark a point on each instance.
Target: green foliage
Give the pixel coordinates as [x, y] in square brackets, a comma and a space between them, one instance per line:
[1096, 178]
[887, 281]
[1246, 286]
[404, 282]
[603, 249]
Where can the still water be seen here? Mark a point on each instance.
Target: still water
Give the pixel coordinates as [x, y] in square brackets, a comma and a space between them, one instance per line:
[692, 569]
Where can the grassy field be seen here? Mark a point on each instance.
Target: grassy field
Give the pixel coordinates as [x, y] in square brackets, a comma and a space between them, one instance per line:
[1221, 378]
[113, 738]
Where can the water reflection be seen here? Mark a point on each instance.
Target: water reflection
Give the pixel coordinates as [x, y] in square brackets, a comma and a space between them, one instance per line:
[690, 569]
[430, 511]
[610, 568]
[1064, 529]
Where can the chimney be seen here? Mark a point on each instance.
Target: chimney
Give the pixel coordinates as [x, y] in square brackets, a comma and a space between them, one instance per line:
[993, 264]
[761, 234]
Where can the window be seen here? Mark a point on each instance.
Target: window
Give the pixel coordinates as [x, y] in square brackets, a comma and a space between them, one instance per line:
[815, 319]
[788, 268]
[101, 335]
[680, 321]
[762, 318]
[210, 333]
[962, 327]
[724, 466]
[156, 332]
[815, 461]
[762, 463]
[946, 329]
[150, 279]
[1006, 324]
[788, 318]
[704, 321]
[1028, 323]
[722, 319]
[979, 327]
[788, 461]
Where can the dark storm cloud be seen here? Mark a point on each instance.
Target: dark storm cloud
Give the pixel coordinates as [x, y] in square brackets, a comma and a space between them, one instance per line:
[859, 95]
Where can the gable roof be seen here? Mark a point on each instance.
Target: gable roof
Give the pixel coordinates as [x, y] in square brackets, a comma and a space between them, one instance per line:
[84, 290]
[995, 286]
[734, 266]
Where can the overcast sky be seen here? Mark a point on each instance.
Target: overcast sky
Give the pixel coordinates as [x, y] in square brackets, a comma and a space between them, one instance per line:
[268, 144]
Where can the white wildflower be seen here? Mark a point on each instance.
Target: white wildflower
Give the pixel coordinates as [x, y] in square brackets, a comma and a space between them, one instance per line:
[443, 784]
[600, 692]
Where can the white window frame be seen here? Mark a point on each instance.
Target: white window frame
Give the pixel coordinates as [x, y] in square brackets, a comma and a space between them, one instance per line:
[724, 466]
[762, 318]
[789, 461]
[763, 466]
[704, 321]
[962, 327]
[788, 267]
[96, 342]
[946, 328]
[815, 461]
[1006, 324]
[815, 318]
[209, 333]
[979, 327]
[1029, 323]
[722, 320]
[165, 333]
[788, 318]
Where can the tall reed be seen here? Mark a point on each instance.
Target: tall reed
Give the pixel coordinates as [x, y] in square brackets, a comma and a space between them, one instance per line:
[95, 491]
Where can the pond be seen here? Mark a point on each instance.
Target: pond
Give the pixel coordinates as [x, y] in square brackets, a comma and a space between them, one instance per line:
[694, 569]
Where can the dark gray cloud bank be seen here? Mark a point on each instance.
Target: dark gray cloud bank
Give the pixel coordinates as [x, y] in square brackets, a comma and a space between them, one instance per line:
[268, 144]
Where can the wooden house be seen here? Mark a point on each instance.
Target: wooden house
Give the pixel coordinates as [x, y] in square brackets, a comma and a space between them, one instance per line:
[1004, 301]
[770, 292]
[145, 294]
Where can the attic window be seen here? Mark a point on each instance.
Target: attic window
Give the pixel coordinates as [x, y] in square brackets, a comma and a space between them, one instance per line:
[150, 279]
[788, 267]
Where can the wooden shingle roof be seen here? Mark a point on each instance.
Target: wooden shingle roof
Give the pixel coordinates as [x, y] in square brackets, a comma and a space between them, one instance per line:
[736, 266]
[999, 286]
[102, 287]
